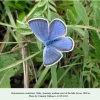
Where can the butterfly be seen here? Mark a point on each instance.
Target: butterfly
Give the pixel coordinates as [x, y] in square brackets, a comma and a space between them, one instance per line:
[52, 35]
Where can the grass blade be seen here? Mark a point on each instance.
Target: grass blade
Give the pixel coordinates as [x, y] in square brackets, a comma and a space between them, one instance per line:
[43, 74]
[54, 76]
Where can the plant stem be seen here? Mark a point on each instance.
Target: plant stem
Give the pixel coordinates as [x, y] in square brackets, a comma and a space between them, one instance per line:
[25, 67]
[85, 27]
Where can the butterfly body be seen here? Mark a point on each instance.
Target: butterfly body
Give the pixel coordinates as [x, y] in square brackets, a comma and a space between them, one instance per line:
[53, 37]
[50, 42]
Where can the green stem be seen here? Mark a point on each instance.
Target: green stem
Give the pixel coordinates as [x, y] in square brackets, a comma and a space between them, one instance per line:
[85, 27]
[69, 26]
[8, 25]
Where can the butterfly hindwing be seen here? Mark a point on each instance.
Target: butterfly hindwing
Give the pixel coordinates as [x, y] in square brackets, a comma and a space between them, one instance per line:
[65, 44]
[56, 29]
[39, 28]
[51, 56]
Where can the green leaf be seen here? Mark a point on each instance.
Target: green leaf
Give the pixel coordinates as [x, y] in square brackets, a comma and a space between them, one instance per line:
[20, 5]
[24, 31]
[60, 71]
[93, 75]
[80, 31]
[49, 15]
[39, 59]
[33, 47]
[90, 65]
[68, 81]
[39, 44]
[85, 73]
[5, 80]
[97, 17]
[5, 76]
[52, 2]
[88, 78]
[96, 69]
[55, 15]
[11, 4]
[52, 8]
[95, 4]
[70, 16]
[66, 71]
[21, 16]
[96, 83]
[38, 11]
[16, 5]
[42, 3]
[65, 4]
[71, 81]
[8, 11]
[96, 42]
[85, 43]
[33, 9]
[81, 12]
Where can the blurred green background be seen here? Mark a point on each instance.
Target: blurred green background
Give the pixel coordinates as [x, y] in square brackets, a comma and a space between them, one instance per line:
[79, 68]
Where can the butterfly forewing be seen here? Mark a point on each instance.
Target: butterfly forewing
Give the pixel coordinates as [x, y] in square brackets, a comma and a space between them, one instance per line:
[39, 28]
[56, 29]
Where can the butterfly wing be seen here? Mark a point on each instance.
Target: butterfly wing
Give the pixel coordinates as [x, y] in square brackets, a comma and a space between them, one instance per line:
[64, 44]
[39, 28]
[51, 56]
[57, 28]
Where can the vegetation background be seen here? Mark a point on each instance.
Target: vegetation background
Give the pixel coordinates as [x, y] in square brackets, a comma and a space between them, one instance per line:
[21, 61]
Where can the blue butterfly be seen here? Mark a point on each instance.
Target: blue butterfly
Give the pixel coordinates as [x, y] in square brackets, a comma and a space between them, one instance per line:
[52, 35]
